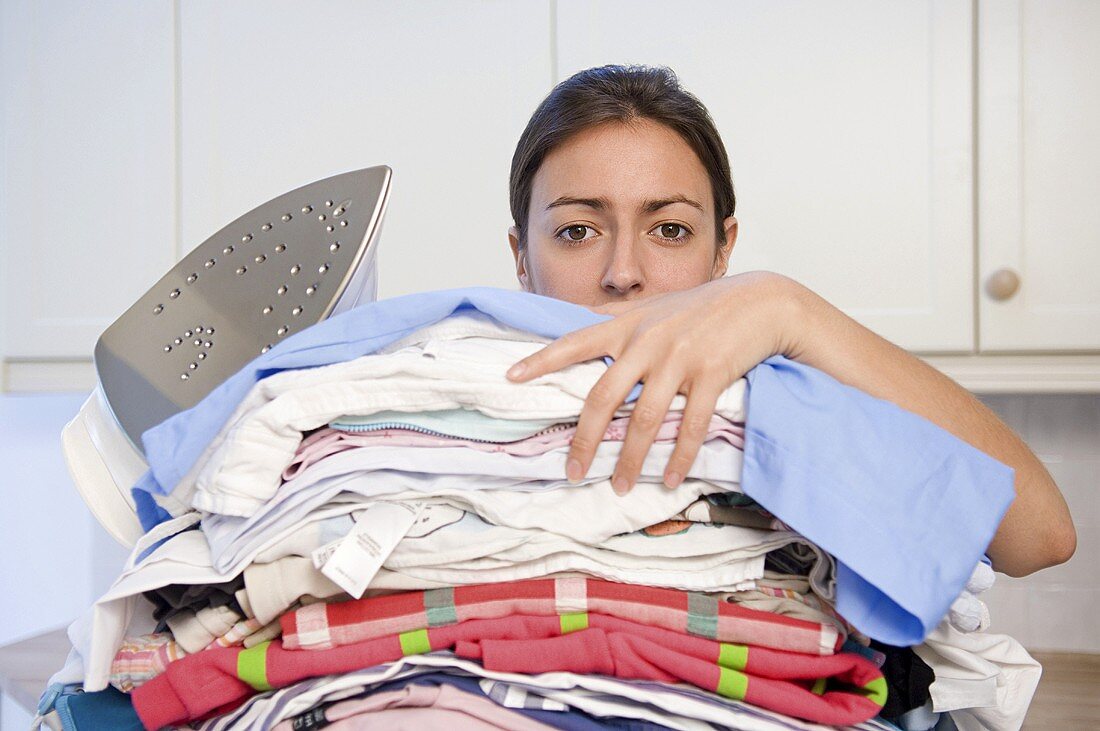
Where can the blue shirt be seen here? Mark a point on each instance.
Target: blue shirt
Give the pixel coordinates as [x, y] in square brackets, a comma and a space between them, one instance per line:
[906, 508]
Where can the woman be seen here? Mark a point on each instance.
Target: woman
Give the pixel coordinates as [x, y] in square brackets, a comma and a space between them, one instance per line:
[622, 199]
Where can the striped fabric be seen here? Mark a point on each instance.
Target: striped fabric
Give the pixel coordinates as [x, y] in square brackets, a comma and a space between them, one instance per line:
[837, 689]
[597, 695]
[142, 658]
[323, 626]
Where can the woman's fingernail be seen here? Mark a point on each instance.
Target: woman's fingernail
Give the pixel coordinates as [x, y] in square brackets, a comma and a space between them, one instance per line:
[620, 485]
[573, 470]
[517, 370]
[673, 479]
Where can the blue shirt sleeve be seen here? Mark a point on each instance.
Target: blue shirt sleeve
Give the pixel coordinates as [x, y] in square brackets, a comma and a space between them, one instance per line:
[906, 508]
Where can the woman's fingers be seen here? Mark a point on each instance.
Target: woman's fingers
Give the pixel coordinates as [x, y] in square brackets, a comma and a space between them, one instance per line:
[649, 412]
[694, 425]
[575, 347]
[604, 399]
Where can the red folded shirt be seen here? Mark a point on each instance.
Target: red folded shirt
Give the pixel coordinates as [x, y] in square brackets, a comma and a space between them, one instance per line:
[836, 689]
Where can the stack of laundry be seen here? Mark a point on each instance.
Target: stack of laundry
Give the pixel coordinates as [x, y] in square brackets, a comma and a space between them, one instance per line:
[370, 525]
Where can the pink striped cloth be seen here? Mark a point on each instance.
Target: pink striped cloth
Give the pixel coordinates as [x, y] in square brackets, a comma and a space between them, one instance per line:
[322, 626]
[142, 658]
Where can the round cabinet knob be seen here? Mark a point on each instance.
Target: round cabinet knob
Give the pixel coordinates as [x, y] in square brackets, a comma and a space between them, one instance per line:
[1002, 284]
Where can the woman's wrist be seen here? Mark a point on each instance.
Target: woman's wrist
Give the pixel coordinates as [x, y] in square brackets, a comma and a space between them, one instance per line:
[791, 306]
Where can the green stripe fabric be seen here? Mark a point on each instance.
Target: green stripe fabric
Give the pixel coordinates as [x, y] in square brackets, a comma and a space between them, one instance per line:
[702, 616]
[252, 666]
[415, 642]
[876, 690]
[439, 605]
[734, 657]
[573, 622]
[732, 684]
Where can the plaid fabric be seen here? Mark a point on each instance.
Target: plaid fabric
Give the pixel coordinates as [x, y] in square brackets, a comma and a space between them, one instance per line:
[323, 626]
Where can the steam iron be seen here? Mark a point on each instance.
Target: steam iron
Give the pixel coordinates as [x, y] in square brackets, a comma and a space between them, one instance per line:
[283, 266]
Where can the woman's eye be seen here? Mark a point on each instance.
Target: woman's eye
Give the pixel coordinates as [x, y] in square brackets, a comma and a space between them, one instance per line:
[576, 233]
[673, 231]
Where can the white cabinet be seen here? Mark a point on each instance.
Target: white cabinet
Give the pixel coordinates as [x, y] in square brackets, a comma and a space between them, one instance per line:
[87, 201]
[132, 133]
[277, 95]
[850, 134]
[892, 156]
[1039, 173]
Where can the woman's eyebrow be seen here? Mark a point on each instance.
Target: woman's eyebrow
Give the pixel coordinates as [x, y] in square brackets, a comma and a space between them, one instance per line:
[602, 204]
[656, 205]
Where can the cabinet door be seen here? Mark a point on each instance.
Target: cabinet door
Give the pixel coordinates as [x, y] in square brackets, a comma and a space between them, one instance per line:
[87, 204]
[1039, 174]
[849, 129]
[276, 95]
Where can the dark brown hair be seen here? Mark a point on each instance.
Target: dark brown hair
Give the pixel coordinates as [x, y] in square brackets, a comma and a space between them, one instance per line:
[618, 94]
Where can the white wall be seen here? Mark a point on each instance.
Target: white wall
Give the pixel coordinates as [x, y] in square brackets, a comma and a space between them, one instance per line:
[1056, 609]
[54, 558]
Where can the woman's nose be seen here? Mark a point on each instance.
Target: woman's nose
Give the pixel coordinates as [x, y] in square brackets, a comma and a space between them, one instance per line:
[623, 274]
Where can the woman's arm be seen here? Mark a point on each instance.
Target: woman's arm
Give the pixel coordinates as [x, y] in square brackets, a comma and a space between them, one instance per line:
[697, 342]
[1037, 531]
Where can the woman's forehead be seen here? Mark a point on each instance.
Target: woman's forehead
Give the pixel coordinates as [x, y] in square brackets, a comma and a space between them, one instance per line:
[619, 165]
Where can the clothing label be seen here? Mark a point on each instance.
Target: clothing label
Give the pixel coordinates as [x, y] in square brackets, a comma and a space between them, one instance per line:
[321, 555]
[309, 721]
[354, 560]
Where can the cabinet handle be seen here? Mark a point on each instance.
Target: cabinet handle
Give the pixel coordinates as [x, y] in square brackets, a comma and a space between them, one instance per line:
[1002, 284]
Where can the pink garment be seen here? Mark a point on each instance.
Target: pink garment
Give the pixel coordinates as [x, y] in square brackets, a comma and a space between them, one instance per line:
[415, 719]
[788, 682]
[438, 708]
[326, 442]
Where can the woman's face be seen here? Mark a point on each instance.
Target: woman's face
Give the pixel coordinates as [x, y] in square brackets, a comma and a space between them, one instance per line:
[621, 212]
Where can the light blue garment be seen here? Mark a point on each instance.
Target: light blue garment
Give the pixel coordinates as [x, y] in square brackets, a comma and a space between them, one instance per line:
[173, 446]
[906, 508]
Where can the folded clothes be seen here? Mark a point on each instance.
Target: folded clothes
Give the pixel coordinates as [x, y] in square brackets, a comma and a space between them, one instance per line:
[530, 704]
[702, 558]
[709, 557]
[347, 476]
[885, 510]
[246, 468]
[837, 689]
[191, 441]
[841, 688]
[328, 441]
[680, 706]
[323, 626]
[467, 424]
[175, 553]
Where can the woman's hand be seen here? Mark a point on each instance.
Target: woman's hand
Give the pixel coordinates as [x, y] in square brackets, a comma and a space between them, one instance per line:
[696, 342]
